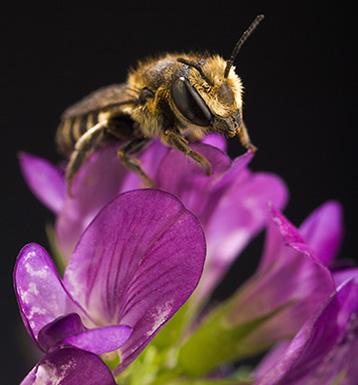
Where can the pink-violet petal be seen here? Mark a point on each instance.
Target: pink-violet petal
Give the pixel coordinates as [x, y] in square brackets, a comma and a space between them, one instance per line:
[45, 180]
[70, 366]
[237, 218]
[40, 293]
[101, 340]
[323, 231]
[215, 140]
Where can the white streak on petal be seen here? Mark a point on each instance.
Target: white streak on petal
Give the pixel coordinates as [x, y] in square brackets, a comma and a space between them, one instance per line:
[40, 273]
[159, 316]
[48, 374]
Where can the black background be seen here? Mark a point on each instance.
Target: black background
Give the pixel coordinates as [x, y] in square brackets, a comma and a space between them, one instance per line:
[300, 88]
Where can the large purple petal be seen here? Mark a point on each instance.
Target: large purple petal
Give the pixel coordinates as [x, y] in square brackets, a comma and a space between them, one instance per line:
[137, 263]
[45, 181]
[101, 339]
[70, 366]
[323, 231]
[325, 349]
[294, 281]
[40, 292]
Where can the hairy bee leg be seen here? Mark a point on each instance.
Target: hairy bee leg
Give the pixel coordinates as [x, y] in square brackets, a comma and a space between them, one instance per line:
[245, 138]
[177, 141]
[126, 152]
[85, 145]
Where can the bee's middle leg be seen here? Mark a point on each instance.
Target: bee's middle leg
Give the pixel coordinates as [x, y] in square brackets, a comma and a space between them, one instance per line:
[174, 139]
[126, 152]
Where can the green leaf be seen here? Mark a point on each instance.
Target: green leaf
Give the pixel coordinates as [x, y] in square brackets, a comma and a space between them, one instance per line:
[208, 382]
[217, 341]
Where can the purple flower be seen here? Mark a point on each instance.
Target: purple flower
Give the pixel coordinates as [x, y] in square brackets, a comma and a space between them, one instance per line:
[132, 269]
[231, 204]
[290, 276]
[324, 351]
[289, 286]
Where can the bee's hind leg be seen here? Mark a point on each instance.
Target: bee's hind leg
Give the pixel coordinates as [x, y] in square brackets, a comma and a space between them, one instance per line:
[126, 152]
[85, 145]
[174, 139]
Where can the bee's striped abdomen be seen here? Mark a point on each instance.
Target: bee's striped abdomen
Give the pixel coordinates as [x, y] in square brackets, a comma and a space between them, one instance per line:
[72, 128]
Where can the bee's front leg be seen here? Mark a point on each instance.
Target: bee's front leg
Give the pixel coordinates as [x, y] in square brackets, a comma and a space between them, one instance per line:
[174, 139]
[245, 138]
[126, 152]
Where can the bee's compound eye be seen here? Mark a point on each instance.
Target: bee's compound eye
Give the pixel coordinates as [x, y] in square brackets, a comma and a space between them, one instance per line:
[190, 103]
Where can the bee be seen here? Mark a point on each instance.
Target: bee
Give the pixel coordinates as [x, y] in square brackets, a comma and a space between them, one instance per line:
[176, 98]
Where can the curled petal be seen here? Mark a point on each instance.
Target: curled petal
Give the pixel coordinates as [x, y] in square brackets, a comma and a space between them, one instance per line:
[343, 275]
[137, 263]
[56, 331]
[324, 350]
[45, 180]
[290, 278]
[280, 233]
[323, 231]
[70, 366]
[41, 295]
[101, 339]
[238, 171]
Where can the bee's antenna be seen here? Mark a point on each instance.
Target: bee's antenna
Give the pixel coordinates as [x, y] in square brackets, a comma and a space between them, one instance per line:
[240, 43]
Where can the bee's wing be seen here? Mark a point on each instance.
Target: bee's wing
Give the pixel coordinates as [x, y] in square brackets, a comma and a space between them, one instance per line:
[99, 99]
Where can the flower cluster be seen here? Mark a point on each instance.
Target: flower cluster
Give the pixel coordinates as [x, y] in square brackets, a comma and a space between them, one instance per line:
[130, 257]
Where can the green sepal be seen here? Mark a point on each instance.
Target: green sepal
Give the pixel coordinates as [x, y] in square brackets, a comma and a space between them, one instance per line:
[171, 333]
[218, 341]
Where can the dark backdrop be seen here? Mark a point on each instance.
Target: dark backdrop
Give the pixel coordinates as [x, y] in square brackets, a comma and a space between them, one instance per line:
[299, 77]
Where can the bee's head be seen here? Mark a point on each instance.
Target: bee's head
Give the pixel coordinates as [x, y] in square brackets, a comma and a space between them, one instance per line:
[209, 92]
